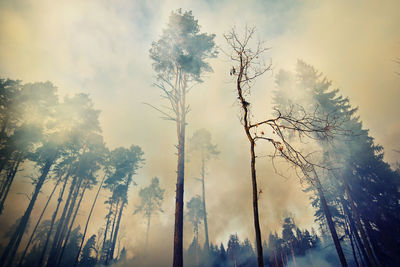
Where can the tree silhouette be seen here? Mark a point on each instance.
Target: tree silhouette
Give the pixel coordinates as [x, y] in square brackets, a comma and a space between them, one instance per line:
[200, 143]
[195, 215]
[152, 197]
[249, 65]
[179, 59]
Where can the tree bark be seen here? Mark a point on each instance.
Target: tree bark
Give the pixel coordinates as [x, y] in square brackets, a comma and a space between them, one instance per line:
[329, 220]
[181, 125]
[8, 255]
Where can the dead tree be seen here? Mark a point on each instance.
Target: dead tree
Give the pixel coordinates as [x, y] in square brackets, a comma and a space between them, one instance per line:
[248, 66]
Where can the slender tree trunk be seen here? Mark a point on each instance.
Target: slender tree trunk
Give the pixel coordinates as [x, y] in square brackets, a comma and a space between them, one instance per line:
[246, 125]
[9, 181]
[197, 248]
[260, 259]
[114, 240]
[148, 229]
[103, 248]
[88, 219]
[353, 228]
[329, 220]
[53, 219]
[353, 249]
[360, 227]
[70, 212]
[282, 259]
[72, 224]
[4, 181]
[275, 259]
[380, 256]
[360, 244]
[4, 162]
[9, 252]
[181, 125]
[57, 236]
[360, 256]
[204, 204]
[37, 223]
[293, 257]
[112, 233]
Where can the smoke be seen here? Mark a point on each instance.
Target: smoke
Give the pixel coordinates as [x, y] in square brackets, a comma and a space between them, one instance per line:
[102, 49]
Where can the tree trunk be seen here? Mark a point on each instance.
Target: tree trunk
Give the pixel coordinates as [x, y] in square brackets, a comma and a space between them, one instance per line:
[147, 232]
[114, 240]
[8, 183]
[181, 125]
[204, 204]
[105, 236]
[88, 219]
[58, 243]
[329, 220]
[112, 234]
[357, 218]
[72, 224]
[246, 125]
[353, 249]
[353, 228]
[275, 259]
[293, 257]
[37, 223]
[260, 258]
[9, 252]
[53, 219]
[4, 162]
[282, 259]
[57, 236]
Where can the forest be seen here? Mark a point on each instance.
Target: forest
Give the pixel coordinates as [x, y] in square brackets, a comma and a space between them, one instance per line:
[160, 138]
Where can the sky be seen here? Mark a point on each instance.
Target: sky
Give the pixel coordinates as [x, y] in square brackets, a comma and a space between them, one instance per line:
[101, 48]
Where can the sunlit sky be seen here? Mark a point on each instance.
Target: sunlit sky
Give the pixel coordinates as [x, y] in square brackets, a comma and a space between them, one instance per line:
[101, 48]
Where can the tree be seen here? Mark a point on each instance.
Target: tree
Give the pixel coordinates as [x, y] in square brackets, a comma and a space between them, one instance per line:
[124, 163]
[359, 181]
[25, 110]
[83, 150]
[87, 258]
[151, 200]
[249, 65]
[200, 143]
[195, 214]
[179, 59]
[92, 208]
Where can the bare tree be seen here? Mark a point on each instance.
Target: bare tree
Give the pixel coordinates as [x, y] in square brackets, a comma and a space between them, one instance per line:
[248, 66]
